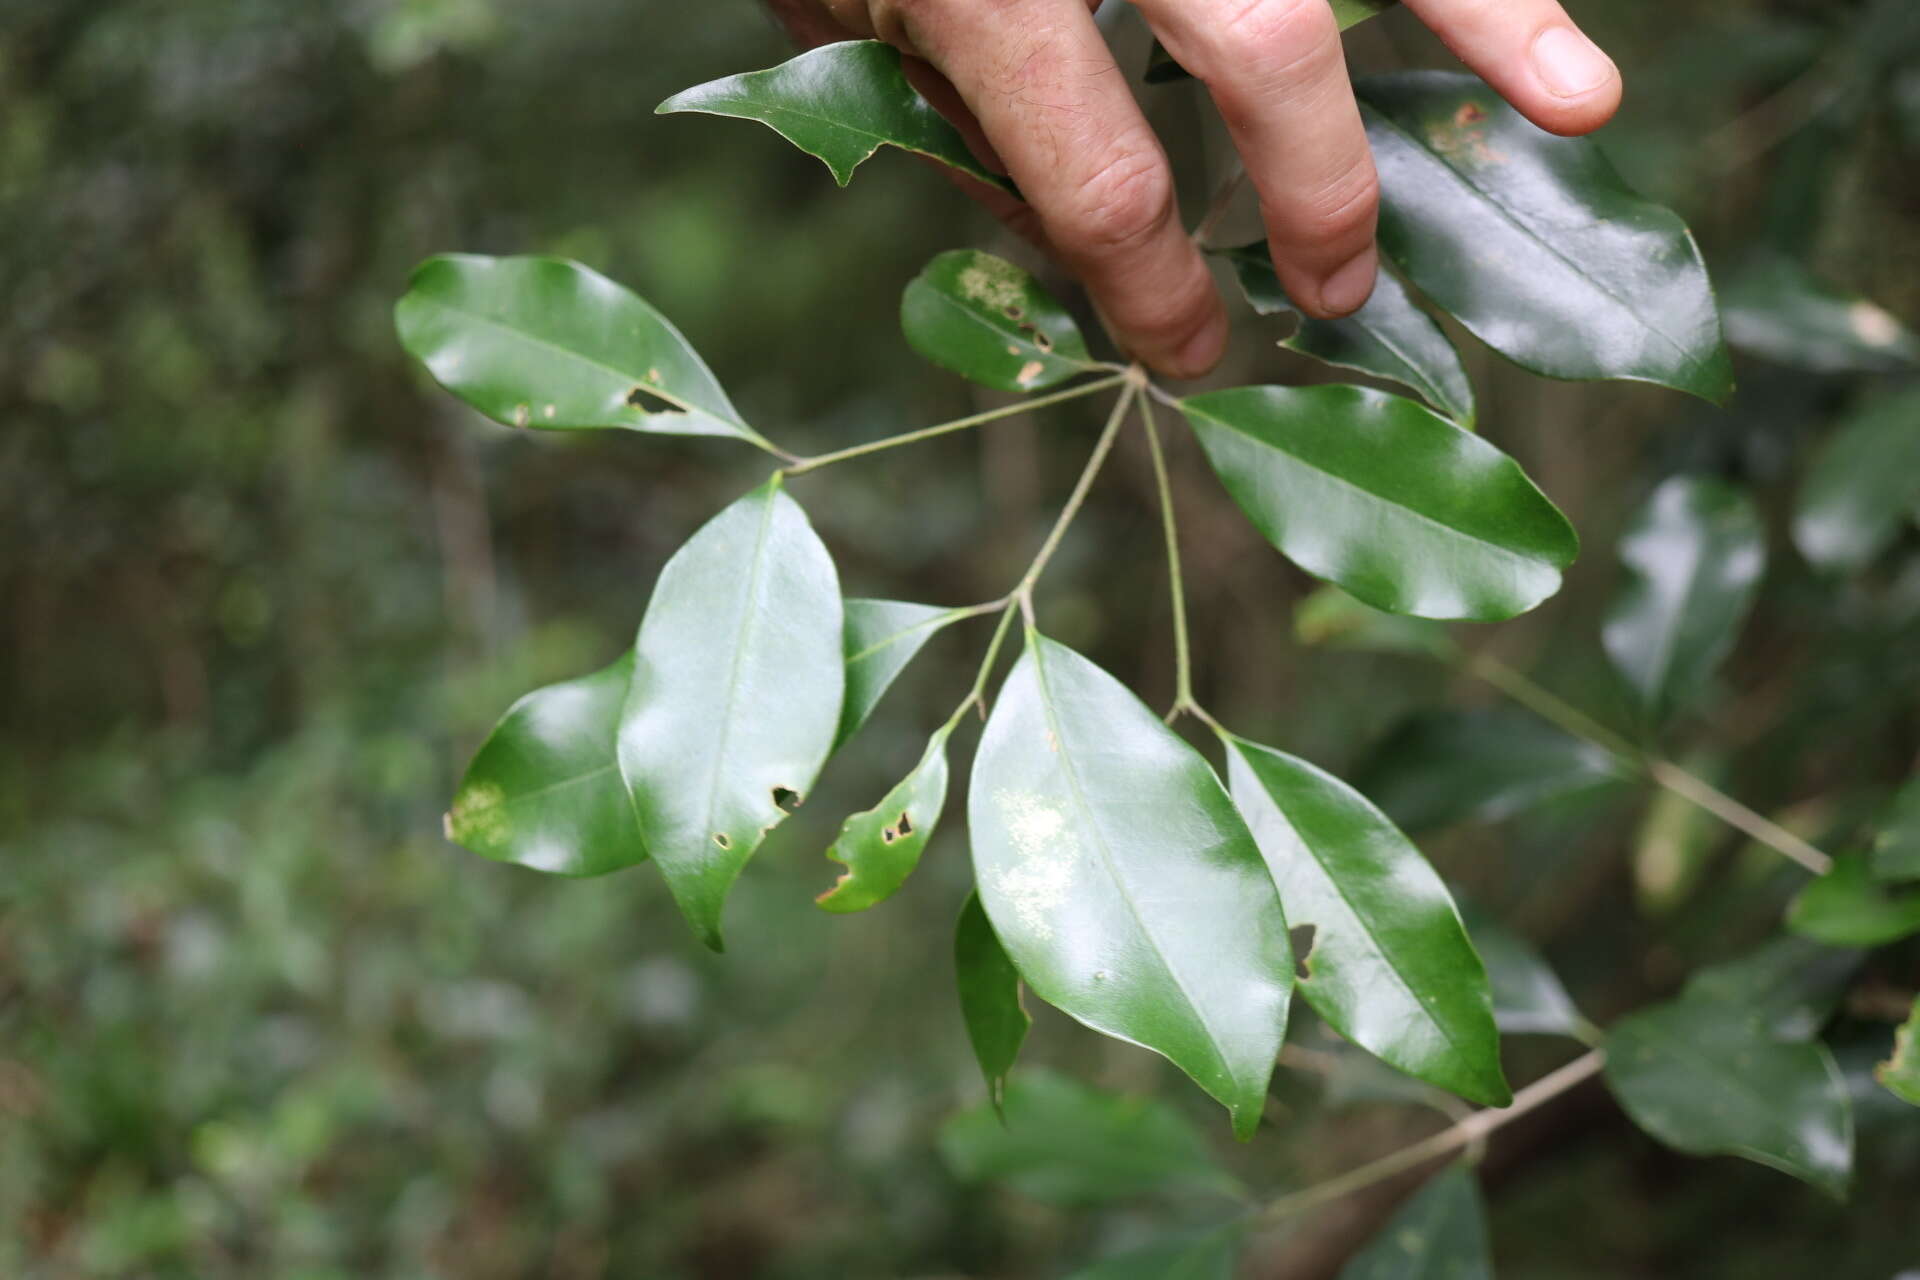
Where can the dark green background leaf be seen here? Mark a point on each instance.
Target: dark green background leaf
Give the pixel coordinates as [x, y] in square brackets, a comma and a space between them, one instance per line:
[1390, 966]
[1528, 997]
[990, 321]
[543, 342]
[989, 985]
[1122, 881]
[1788, 987]
[1332, 618]
[1864, 486]
[1776, 309]
[544, 790]
[1534, 242]
[1896, 849]
[840, 102]
[1387, 499]
[1694, 554]
[1206, 1257]
[1439, 1234]
[881, 846]
[1847, 907]
[737, 685]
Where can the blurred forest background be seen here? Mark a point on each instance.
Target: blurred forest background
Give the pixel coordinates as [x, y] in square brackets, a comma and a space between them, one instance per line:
[263, 589]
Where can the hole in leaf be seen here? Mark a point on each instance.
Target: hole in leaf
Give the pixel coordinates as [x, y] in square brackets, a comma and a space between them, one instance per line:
[904, 826]
[1302, 936]
[786, 799]
[647, 402]
[1015, 313]
[888, 835]
[720, 838]
[1040, 339]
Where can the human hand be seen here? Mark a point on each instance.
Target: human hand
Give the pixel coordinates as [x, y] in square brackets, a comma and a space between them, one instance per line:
[1034, 88]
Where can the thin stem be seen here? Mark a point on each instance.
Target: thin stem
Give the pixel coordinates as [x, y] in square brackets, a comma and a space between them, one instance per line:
[1024, 591]
[1182, 642]
[1468, 1132]
[977, 696]
[1689, 787]
[803, 465]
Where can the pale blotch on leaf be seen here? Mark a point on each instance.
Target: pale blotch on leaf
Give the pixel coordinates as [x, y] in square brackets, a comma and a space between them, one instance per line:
[993, 283]
[478, 816]
[1873, 325]
[1045, 844]
[1030, 370]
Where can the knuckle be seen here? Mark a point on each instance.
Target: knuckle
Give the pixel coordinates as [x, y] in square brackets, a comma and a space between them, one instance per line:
[1342, 210]
[1279, 35]
[1125, 203]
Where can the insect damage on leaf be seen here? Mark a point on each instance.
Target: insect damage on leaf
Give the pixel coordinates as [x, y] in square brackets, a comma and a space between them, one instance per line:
[650, 402]
[902, 826]
[786, 799]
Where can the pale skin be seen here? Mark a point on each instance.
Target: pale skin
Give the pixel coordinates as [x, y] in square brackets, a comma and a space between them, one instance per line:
[1036, 90]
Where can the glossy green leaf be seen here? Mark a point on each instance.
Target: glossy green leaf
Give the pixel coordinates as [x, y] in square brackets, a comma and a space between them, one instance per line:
[1776, 309]
[1069, 1144]
[1694, 553]
[1706, 1079]
[1204, 1257]
[1789, 987]
[840, 102]
[1390, 501]
[1445, 767]
[1390, 966]
[1332, 619]
[882, 637]
[1896, 849]
[1162, 69]
[1847, 907]
[1901, 1073]
[737, 684]
[547, 343]
[881, 847]
[1528, 997]
[544, 790]
[990, 322]
[1864, 486]
[997, 1021]
[1389, 338]
[1534, 242]
[1122, 881]
[1439, 1234]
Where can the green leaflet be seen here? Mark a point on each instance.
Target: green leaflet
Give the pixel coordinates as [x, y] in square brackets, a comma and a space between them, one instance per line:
[544, 790]
[1122, 881]
[1706, 1078]
[881, 847]
[737, 686]
[841, 103]
[1694, 554]
[1443, 767]
[1389, 338]
[1390, 966]
[990, 322]
[1534, 242]
[1896, 850]
[1528, 997]
[1211, 1256]
[1864, 486]
[989, 986]
[1847, 908]
[1331, 618]
[1068, 1144]
[1440, 1234]
[1776, 309]
[1901, 1073]
[1395, 504]
[882, 637]
[547, 343]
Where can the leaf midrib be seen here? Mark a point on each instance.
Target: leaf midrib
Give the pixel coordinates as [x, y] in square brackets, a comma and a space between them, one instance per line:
[744, 635]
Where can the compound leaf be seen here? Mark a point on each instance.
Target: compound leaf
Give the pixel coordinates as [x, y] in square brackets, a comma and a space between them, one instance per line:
[882, 637]
[1694, 554]
[1388, 500]
[1707, 1078]
[1066, 1143]
[840, 102]
[881, 847]
[1439, 1234]
[1534, 242]
[548, 343]
[1122, 881]
[990, 322]
[997, 1021]
[1847, 907]
[1389, 338]
[737, 684]
[1776, 309]
[1390, 966]
[544, 790]
[1864, 486]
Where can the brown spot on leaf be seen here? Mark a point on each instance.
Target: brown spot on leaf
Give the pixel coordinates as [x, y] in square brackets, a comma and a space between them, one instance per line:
[1469, 113]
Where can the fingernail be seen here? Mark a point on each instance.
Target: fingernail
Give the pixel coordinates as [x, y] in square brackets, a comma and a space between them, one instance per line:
[1203, 350]
[1568, 63]
[1347, 290]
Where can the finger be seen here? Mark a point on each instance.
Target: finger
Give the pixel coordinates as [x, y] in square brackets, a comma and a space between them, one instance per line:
[1056, 109]
[1531, 52]
[1276, 70]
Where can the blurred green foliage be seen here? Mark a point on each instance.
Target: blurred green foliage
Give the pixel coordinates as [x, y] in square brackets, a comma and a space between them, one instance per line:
[264, 591]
